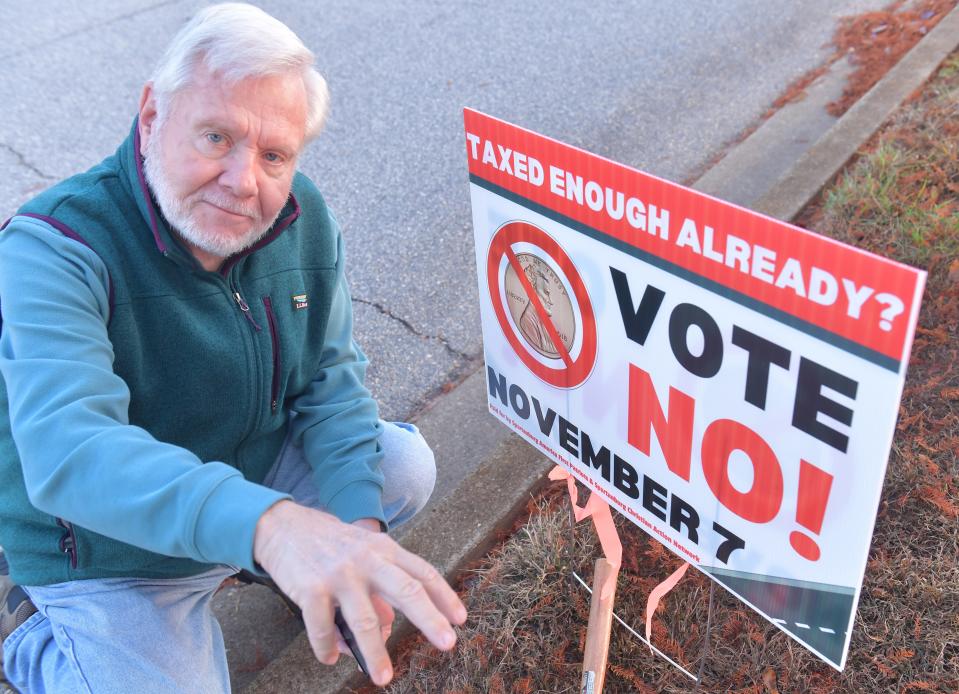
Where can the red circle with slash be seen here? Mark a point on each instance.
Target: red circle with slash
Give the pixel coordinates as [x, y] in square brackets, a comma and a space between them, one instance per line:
[573, 371]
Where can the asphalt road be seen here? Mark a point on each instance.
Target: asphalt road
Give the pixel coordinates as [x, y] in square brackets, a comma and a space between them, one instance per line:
[661, 86]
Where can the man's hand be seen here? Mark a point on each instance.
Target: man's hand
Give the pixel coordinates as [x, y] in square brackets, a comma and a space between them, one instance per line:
[383, 609]
[321, 562]
[370, 524]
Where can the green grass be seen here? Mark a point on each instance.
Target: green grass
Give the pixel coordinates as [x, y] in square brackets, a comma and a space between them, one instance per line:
[901, 198]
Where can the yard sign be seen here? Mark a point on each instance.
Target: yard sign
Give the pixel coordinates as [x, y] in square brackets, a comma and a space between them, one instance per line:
[728, 382]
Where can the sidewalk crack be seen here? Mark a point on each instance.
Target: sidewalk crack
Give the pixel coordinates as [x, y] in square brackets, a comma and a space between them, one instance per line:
[409, 326]
[26, 164]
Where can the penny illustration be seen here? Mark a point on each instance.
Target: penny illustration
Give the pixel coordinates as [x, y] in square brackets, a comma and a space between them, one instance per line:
[554, 298]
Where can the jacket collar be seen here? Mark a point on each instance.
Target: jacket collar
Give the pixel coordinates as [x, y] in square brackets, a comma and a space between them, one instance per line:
[167, 242]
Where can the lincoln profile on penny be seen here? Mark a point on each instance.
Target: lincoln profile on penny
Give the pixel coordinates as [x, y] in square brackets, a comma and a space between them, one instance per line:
[182, 398]
[530, 323]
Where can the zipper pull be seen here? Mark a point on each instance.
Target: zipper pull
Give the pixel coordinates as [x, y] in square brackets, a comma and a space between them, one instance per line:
[68, 542]
[246, 310]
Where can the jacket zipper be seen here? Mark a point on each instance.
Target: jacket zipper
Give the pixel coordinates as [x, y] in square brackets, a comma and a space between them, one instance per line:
[255, 409]
[275, 340]
[68, 542]
[245, 307]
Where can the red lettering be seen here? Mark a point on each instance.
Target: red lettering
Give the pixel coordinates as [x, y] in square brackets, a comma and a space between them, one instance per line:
[761, 503]
[674, 433]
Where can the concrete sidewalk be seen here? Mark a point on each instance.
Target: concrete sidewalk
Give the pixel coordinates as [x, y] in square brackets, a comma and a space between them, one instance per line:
[486, 473]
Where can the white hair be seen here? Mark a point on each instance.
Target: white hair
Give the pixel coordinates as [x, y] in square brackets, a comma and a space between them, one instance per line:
[236, 41]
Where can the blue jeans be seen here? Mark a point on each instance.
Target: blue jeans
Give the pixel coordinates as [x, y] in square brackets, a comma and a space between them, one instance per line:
[125, 635]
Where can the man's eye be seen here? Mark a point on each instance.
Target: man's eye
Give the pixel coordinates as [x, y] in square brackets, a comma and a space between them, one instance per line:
[215, 138]
[273, 157]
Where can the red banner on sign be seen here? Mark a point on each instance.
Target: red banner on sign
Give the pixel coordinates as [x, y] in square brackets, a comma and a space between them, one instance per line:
[827, 286]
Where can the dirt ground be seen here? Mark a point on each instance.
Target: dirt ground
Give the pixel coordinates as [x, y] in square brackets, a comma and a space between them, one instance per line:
[526, 634]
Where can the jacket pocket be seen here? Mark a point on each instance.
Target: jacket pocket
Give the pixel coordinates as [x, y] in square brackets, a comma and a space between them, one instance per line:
[275, 342]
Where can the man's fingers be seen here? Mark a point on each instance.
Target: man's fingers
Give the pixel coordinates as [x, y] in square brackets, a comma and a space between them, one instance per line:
[383, 610]
[363, 621]
[411, 596]
[386, 615]
[444, 597]
[321, 631]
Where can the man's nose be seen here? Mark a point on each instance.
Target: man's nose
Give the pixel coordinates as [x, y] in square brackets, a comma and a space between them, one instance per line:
[239, 173]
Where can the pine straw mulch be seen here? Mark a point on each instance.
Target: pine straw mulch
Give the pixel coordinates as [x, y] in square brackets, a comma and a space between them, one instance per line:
[528, 619]
[873, 42]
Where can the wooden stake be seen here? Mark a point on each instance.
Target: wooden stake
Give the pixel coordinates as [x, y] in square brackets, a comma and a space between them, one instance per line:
[597, 632]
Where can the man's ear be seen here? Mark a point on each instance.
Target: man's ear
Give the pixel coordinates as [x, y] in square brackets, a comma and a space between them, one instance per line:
[148, 115]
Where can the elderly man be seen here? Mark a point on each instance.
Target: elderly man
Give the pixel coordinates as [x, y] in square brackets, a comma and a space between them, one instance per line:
[182, 397]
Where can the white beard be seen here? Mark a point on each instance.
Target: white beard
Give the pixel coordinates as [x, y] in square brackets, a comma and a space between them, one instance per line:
[178, 211]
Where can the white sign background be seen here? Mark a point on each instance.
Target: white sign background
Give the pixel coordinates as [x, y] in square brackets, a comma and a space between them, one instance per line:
[599, 407]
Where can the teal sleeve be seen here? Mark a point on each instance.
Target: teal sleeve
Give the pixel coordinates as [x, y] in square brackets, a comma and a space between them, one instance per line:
[337, 419]
[82, 460]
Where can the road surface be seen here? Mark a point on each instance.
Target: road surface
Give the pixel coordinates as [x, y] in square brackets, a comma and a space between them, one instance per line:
[661, 86]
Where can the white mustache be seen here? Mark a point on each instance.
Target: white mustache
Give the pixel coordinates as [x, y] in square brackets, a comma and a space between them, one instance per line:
[231, 206]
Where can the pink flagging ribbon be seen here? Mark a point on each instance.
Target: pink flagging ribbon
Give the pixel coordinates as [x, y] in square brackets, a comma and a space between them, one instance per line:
[657, 594]
[598, 509]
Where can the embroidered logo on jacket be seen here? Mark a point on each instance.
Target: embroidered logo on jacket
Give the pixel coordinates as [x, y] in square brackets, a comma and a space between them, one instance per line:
[300, 302]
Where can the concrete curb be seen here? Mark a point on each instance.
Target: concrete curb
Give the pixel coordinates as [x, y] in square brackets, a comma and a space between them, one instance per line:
[772, 150]
[822, 162]
[462, 524]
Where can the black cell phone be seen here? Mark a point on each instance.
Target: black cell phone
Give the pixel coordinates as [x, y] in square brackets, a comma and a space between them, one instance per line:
[350, 641]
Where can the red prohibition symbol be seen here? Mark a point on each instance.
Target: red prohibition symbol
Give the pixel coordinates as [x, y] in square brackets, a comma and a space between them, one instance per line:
[572, 372]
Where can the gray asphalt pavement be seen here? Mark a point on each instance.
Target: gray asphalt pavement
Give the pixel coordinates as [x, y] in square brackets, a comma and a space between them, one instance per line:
[661, 86]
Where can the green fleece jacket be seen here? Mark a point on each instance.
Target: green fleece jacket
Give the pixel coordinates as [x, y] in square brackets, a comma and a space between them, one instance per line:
[144, 399]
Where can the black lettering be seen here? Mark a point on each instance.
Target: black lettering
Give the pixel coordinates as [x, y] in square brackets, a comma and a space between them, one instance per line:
[497, 384]
[596, 459]
[707, 364]
[545, 422]
[639, 322]
[519, 401]
[761, 354]
[568, 436]
[810, 402]
[680, 514]
[625, 477]
[731, 543]
[654, 497]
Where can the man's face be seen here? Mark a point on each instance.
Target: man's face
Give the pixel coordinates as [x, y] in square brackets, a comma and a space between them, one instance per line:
[221, 162]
